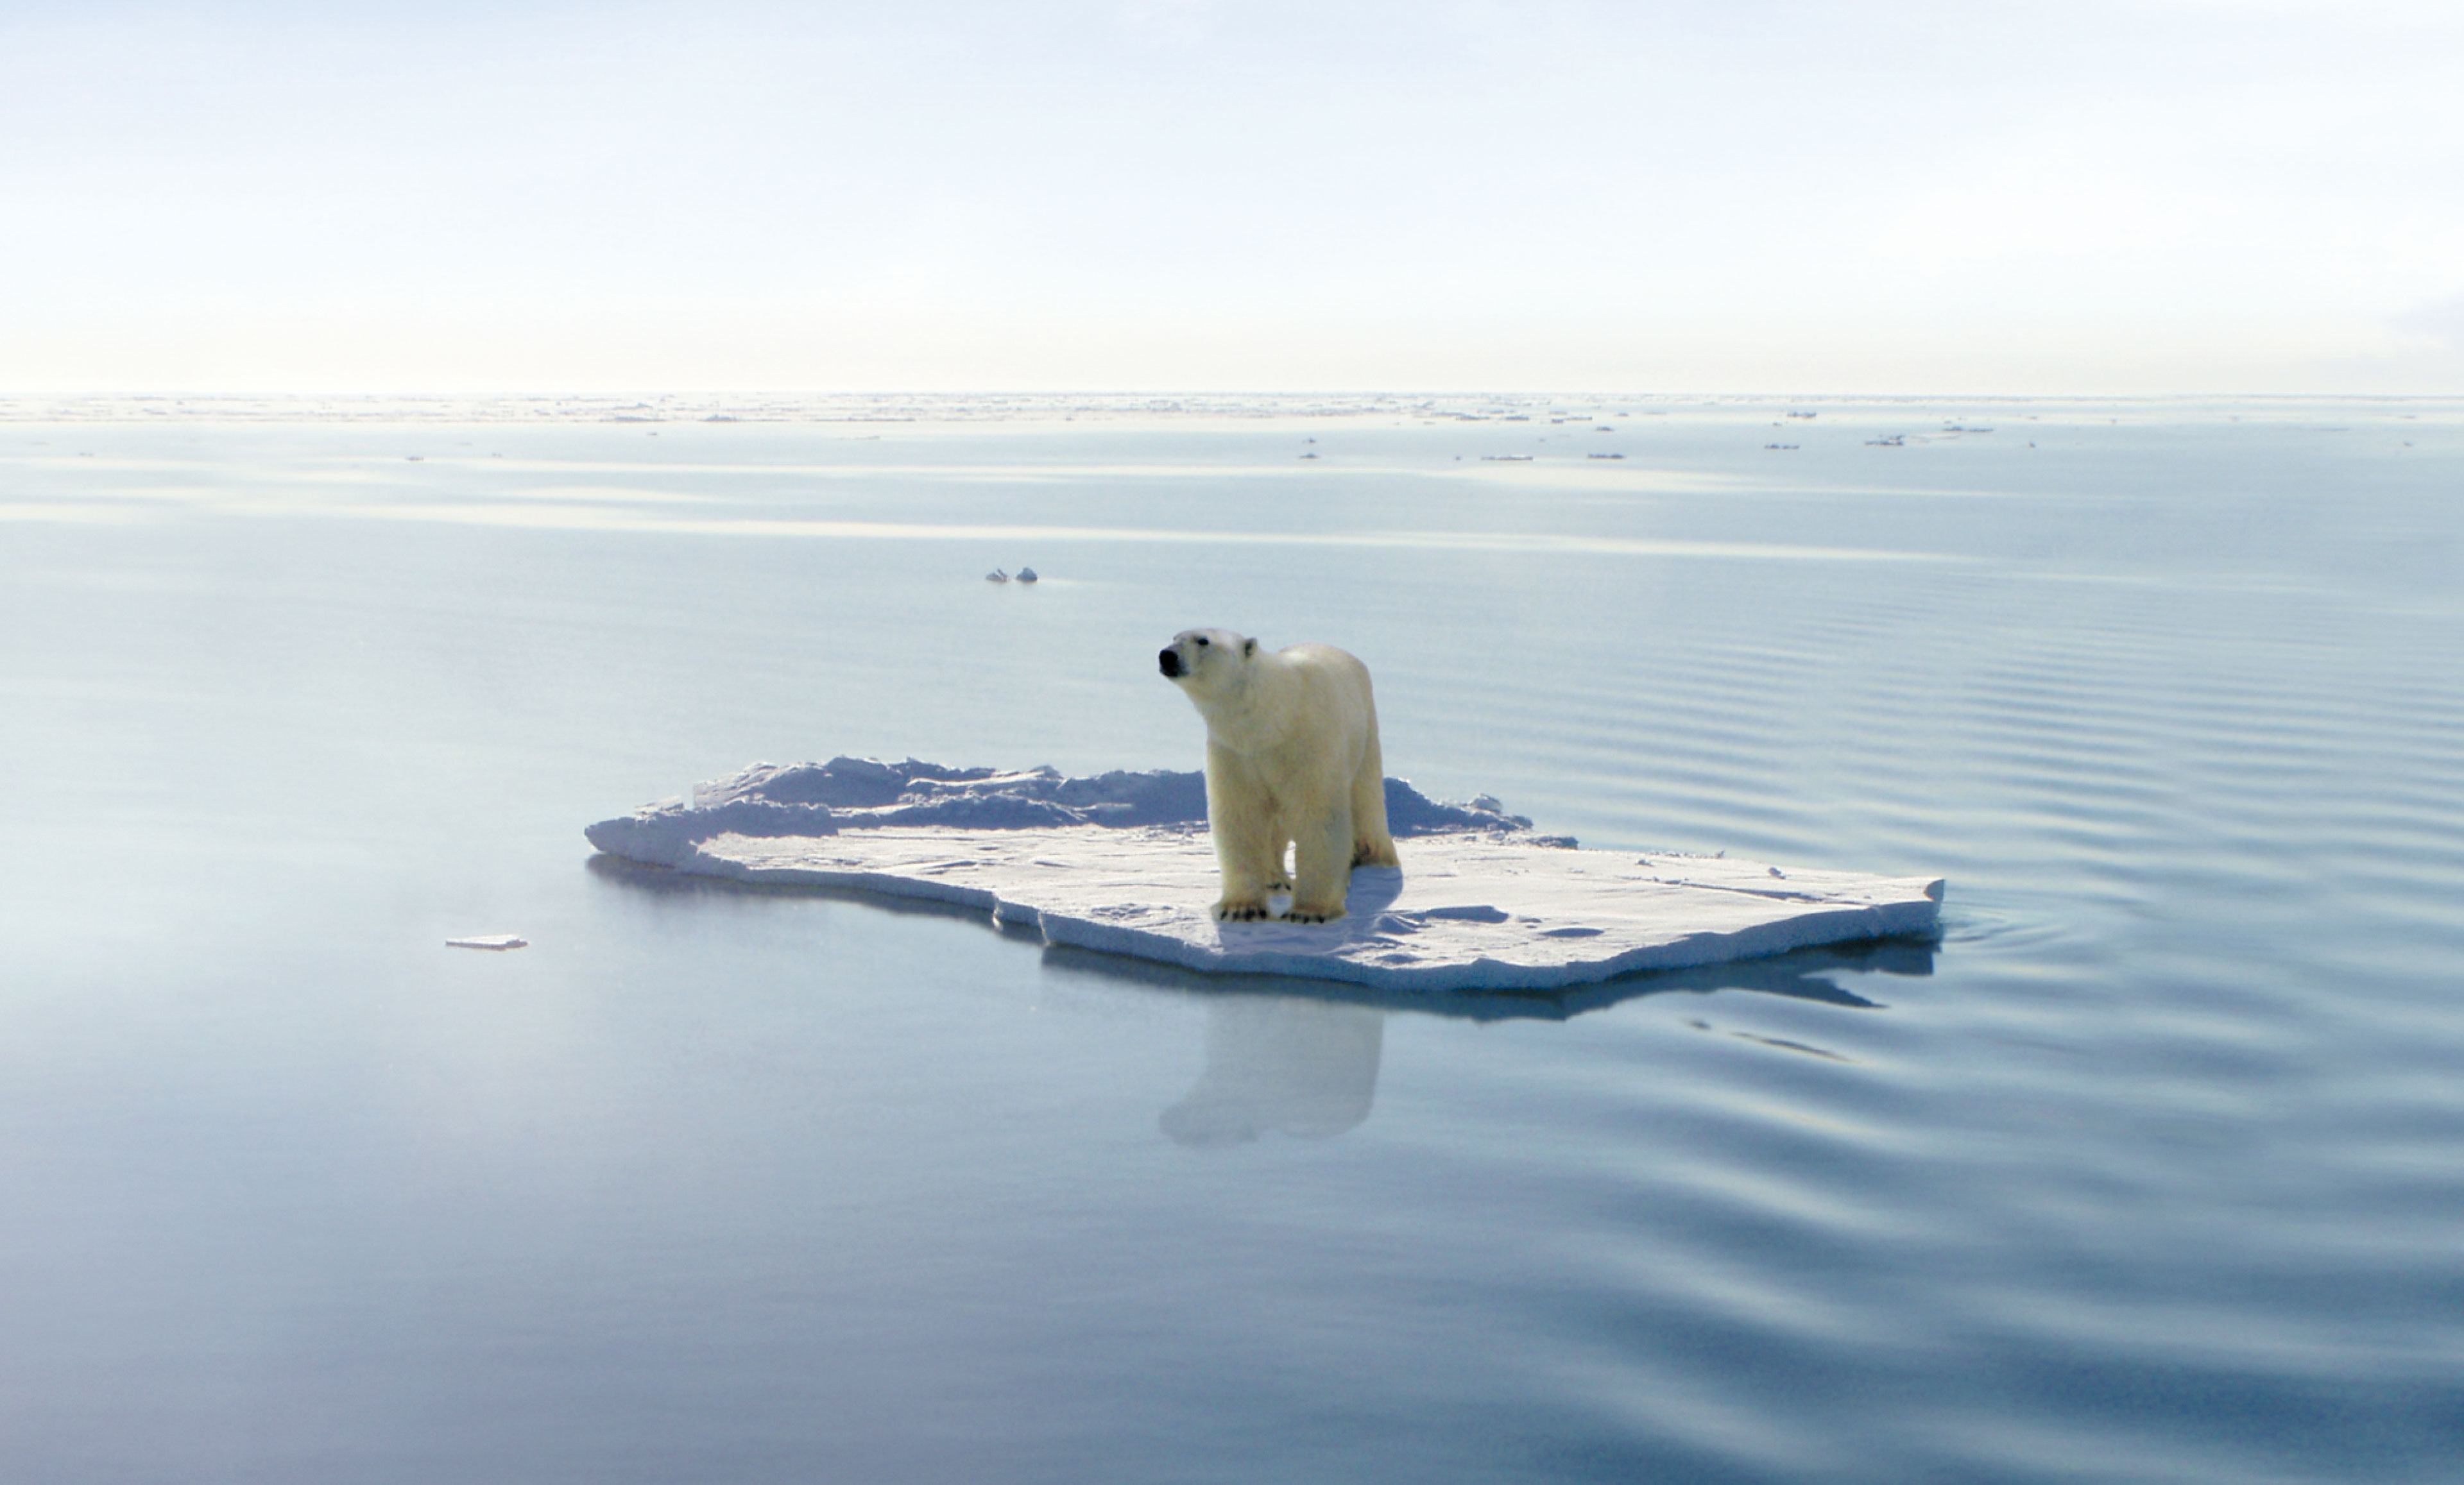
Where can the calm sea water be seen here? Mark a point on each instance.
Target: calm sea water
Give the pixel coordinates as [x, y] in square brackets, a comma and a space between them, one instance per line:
[2151, 1169]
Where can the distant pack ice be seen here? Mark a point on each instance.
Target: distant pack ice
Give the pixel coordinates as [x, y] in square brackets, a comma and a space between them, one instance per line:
[1120, 863]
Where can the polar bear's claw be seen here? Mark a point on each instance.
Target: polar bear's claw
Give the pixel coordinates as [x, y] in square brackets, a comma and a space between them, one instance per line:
[1239, 912]
[1298, 916]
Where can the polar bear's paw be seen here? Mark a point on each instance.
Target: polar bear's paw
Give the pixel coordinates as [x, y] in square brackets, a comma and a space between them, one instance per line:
[1313, 915]
[1254, 911]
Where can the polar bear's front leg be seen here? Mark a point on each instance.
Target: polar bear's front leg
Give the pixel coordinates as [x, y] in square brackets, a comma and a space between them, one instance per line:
[1248, 847]
[1322, 866]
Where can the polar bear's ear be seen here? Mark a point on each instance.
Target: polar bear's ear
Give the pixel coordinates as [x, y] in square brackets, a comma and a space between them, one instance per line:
[1248, 648]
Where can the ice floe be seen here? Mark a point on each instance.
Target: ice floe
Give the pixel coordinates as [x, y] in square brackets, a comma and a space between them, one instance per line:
[489, 941]
[1120, 863]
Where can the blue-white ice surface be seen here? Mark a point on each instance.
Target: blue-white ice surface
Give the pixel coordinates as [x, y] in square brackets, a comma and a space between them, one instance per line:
[1121, 863]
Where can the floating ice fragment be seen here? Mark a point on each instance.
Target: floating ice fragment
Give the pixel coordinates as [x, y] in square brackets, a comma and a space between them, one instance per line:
[489, 941]
[1026, 575]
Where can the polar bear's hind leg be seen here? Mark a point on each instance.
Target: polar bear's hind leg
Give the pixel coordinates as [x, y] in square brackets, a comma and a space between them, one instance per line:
[1322, 862]
[1279, 869]
[1371, 844]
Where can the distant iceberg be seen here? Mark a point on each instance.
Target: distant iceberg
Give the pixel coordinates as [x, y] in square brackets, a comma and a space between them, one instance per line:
[1120, 863]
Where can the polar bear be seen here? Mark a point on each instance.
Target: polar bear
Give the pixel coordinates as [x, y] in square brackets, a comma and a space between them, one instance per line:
[1291, 760]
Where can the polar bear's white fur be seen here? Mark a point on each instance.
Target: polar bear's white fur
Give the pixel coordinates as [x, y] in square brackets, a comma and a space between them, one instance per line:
[1292, 761]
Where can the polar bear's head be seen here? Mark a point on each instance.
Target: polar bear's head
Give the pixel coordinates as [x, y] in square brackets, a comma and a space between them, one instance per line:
[1204, 661]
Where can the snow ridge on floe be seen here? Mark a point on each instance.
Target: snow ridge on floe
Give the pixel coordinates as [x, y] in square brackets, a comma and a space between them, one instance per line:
[1120, 863]
[767, 800]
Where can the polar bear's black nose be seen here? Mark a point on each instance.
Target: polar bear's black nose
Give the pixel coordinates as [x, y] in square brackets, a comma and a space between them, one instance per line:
[1170, 661]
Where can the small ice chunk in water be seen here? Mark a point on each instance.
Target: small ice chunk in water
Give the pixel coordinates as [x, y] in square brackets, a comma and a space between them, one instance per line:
[489, 941]
[1026, 575]
[996, 576]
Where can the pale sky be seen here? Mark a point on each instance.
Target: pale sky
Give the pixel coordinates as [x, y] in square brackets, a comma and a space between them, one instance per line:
[2149, 197]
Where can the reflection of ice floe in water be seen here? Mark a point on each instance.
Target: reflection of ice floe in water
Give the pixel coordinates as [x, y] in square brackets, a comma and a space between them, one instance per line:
[1802, 975]
[1293, 1066]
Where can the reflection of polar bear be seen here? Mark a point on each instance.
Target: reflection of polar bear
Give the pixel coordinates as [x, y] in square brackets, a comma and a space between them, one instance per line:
[1304, 1067]
[1291, 760]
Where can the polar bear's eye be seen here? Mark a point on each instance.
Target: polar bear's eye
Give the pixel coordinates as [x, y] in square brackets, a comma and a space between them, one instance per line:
[1201, 642]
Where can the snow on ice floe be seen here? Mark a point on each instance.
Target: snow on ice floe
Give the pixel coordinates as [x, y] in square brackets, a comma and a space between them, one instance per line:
[1120, 863]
